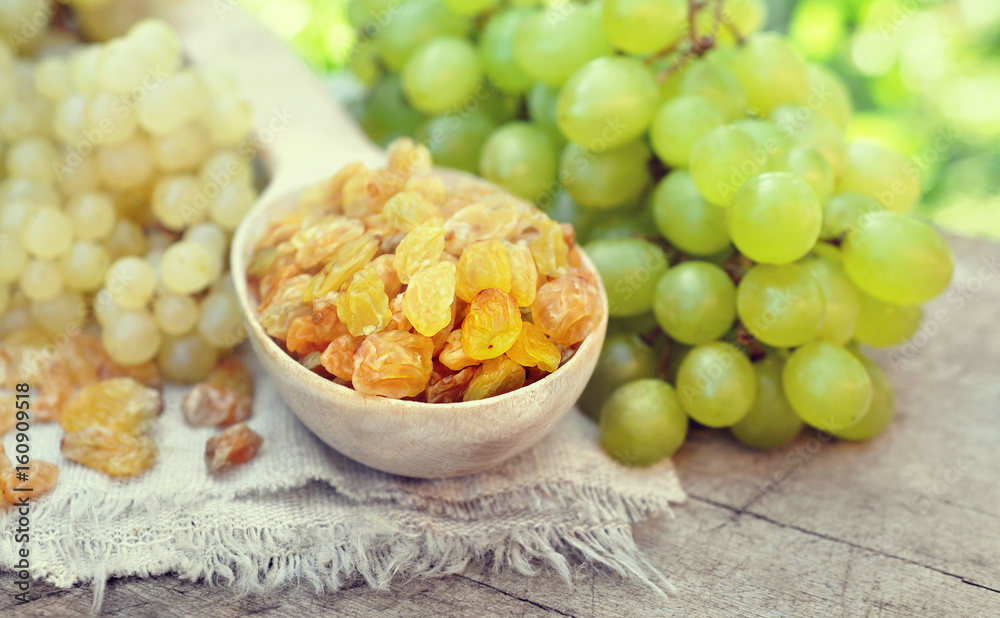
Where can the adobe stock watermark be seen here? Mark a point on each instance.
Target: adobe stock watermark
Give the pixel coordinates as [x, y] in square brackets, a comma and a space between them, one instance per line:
[32, 26]
[901, 13]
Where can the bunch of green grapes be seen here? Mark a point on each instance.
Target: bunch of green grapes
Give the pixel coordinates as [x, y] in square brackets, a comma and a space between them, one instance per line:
[745, 246]
[123, 175]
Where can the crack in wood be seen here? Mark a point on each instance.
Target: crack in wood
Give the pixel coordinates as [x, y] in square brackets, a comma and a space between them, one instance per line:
[737, 511]
[514, 596]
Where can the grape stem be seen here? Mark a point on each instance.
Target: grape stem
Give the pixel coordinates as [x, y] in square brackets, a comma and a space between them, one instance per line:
[698, 45]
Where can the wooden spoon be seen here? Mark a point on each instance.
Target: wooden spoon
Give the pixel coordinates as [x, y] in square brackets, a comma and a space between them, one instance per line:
[308, 137]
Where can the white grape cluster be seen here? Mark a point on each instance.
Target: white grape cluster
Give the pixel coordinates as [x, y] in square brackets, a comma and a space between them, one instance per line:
[123, 175]
[705, 165]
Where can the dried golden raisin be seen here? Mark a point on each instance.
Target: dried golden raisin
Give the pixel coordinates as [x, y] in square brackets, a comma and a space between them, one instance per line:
[42, 477]
[302, 337]
[383, 267]
[431, 188]
[428, 299]
[115, 453]
[119, 404]
[523, 274]
[232, 374]
[420, 248]
[549, 249]
[321, 242]
[147, 374]
[567, 309]
[277, 282]
[393, 364]
[453, 355]
[338, 357]
[285, 306]
[451, 387]
[492, 324]
[281, 230]
[367, 192]
[364, 306]
[206, 405]
[398, 321]
[495, 377]
[482, 265]
[532, 349]
[235, 446]
[350, 258]
[440, 338]
[407, 158]
[405, 211]
[480, 221]
[329, 193]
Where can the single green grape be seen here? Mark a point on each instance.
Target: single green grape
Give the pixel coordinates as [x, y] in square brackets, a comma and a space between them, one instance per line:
[898, 259]
[883, 175]
[542, 102]
[775, 218]
[630, 269]
[457, 141]
[744, 17]
[782, 306]
[496, 49]
[845, 211]
[716, 384]
[642, 422]
[830, 94]
[881, 410]
[695, 302]
[623, 225]
[722, 160]
[519, 157]
[771, 421]
[717, 84]
[471, 7]
[884, 325]
[643, 26]
[808, 164]
[606, 179]
[772, 144]
[387, 115]
[678, 124]
[366, 64]
[408, 24]
[441, 74]
[685, 219]
[842, 304]
[804, 126]
[623, 358]
[607, 102]
[552, 43]
[827, 386]
[771, 72]
[635, 324]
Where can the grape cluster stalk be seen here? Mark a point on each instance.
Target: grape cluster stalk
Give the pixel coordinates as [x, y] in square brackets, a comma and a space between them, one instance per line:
[747, 247]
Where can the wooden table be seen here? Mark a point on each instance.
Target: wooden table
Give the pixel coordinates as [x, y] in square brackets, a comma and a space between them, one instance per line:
[908, 525]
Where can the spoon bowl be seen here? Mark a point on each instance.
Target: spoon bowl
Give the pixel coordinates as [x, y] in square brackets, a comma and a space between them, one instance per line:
[304, 136]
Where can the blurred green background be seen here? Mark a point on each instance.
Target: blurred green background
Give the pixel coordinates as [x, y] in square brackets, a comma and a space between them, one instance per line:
[924, 75]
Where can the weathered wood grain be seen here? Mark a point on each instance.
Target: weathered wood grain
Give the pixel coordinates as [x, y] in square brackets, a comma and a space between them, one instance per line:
[908, 525]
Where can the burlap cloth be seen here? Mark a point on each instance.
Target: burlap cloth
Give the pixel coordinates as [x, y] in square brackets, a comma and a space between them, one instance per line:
[302, 513]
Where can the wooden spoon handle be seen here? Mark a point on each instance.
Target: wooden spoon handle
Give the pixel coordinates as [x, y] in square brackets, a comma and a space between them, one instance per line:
[302, 134]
